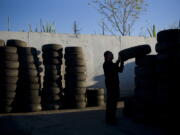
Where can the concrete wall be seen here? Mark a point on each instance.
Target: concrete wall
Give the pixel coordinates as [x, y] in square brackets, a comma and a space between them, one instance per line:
[94, 46]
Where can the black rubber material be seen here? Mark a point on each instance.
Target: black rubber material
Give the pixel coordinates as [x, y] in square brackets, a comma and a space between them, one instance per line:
[167, 47]
[16, 43]
[52, 78]
[77, 76]
[95, 91]
[75, 63]
[52, 55]
[52, 62]
[169, 36]
[10, 72]
[73, 49]
[10, 64]
[27, 51]
[6, 79]
[8, 86]
[28, 66]
[51, 90]
[80, 105]
[9, 57]
[75, 84]
[2, 42]
[8, 49]
[76, 91]
[133, 52]
[142, 83]
[74, 56]
[51, 47]
[29, 72]
[145, 72]
[147, 60]
[8, 95]
[31, 86]
[80, 69]
[52, 67]
[33, 108]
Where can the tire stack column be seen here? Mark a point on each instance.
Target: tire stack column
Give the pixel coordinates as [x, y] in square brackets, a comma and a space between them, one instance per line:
[8, 78]
[75, 78]
[28, 98]
[95, 97]
[52, 86]
[168, 49]
[145, 88]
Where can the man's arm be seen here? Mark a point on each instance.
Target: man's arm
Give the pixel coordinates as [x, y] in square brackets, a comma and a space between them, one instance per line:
[121, 67]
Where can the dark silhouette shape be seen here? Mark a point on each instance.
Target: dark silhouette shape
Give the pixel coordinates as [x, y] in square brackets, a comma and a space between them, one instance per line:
[112, 85]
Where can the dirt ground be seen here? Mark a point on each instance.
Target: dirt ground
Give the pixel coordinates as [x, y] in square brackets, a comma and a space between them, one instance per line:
[89, 121]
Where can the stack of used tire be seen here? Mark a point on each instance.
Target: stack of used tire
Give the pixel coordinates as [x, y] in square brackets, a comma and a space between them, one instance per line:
[95, 97]
[8, 78]
[168, 57]
[145, 88]
[75, 78]
[144, 83]
[28, 98]
[52, 86]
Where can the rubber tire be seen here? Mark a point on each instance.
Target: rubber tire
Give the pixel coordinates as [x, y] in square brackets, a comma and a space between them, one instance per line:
[51, 90]
[166, 47]
[169, 36]
[73, 56]
[52, 67]
[10, 73]
[34, 107]
[10, 64]
[8, 87]
[77, 76]
[75, 63]
[51, 47]
[16, 43]
[80, 69]
[77, 84]
[6, 79]
[8, 49]
[27, 51]
[133, 52]
[148, 60]
[73, 49]
[9, 57]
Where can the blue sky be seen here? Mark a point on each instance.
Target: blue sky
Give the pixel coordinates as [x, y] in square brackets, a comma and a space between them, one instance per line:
[162, 13]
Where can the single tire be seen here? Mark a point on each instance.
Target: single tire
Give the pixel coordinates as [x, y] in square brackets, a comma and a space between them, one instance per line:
[52, 62]
[145, 72]
[51, 90]
[51, 47]
[75, 63]
[169, 36]
[77, 76]
[30, 72]
[133, 52]
[76, 91]
[166, 47]
[73, 56]
[80, 69]
[34, 108]
[33, 93]
[77, 84]
[2, 43]
[73, 49]
[28, 66]
[80, 105]
[10, 72]
[16, 43]
[28, 59]
[53, 67]
[8, 94]
[28, 79]
[7, 79]
[147, 60]
[52, 54]
[51, 98]
[52, 72]
[33, 99]
[10, 64]
[31, 86]
[54, 78]
[27, 51]
[8, 87]
[8, 49]
[9, 57]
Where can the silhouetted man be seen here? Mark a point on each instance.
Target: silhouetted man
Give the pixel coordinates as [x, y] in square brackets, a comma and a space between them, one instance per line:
[112, 85]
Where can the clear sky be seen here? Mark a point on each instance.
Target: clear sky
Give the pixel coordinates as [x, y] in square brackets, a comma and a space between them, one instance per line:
[162, 13]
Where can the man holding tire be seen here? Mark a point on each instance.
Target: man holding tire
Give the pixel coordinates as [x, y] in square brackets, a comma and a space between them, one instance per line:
[111, 71]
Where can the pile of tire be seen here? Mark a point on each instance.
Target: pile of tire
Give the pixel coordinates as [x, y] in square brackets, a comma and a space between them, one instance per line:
[145, 88]
[8, 78]
[168, 57]
[139, 106]
[95, 97]
[52, 86]
[28, 98]
[75, 78]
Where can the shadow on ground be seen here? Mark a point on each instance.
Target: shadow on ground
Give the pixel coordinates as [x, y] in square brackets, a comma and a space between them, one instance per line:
[76, 123]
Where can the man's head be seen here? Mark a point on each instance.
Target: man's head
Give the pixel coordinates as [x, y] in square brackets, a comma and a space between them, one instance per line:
[108, 56]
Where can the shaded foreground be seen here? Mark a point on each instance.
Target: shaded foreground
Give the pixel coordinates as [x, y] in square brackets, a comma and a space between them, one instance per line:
[71, 122]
